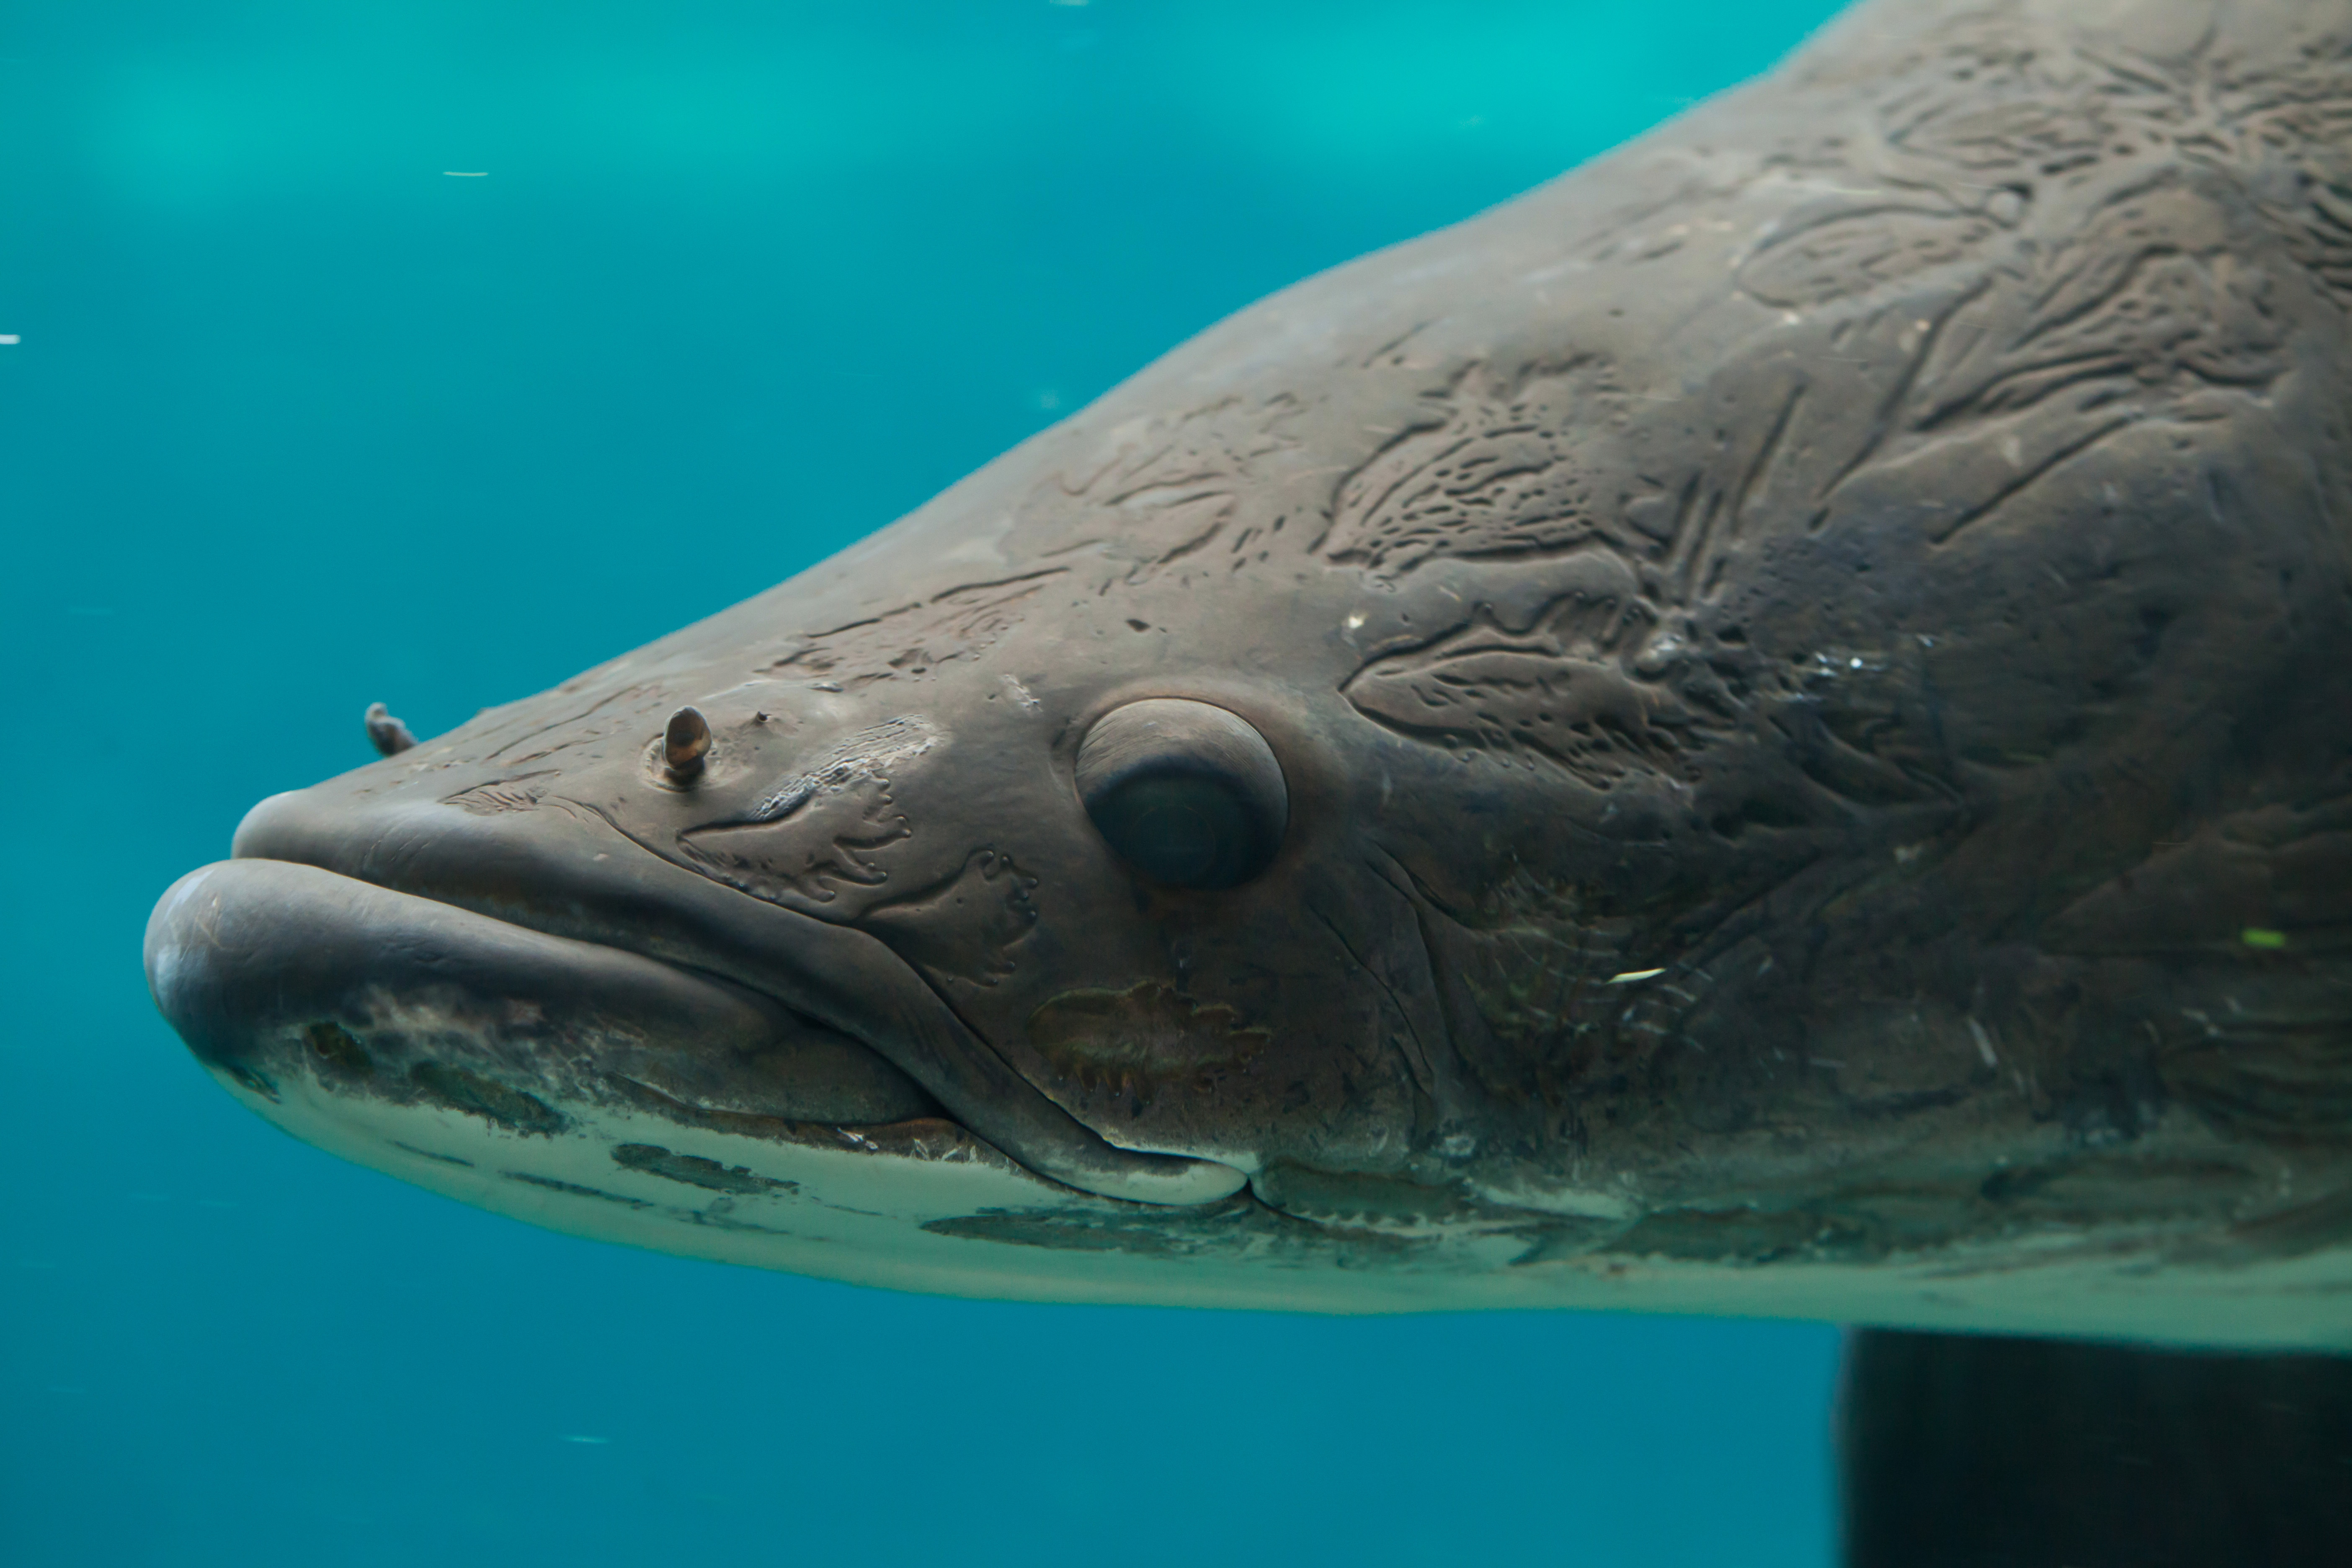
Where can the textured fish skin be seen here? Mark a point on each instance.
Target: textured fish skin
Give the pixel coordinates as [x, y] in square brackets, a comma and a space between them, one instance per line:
[1808, 662]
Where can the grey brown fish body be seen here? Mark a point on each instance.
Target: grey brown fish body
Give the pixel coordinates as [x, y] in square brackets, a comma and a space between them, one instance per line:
[1763, 730]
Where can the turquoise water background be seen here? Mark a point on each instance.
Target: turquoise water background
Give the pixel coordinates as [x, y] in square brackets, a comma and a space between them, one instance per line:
[299, 420]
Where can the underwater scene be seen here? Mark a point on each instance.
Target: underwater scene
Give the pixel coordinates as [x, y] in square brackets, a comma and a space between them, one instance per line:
[435, 353]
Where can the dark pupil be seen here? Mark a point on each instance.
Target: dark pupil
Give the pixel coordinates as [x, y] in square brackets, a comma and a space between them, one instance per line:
[1186, 831]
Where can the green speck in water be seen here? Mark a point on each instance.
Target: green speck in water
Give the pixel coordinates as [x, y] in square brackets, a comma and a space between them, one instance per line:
[2258, 936]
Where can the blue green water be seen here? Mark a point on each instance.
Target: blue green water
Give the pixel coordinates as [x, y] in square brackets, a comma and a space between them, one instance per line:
[299, 418]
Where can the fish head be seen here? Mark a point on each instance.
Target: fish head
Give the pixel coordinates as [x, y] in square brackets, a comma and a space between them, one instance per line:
[1751, 731]
[917, 891]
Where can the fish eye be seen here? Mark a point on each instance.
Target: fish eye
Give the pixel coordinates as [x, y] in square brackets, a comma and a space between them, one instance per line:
[1187, 793]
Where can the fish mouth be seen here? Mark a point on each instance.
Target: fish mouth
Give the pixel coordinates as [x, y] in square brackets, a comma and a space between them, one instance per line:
[391, 953]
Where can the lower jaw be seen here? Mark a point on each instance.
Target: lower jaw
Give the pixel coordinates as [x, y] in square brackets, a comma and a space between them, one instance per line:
[263, 966]
[572, 874]
[574, 1086]
[846, 1202]
[393, 997]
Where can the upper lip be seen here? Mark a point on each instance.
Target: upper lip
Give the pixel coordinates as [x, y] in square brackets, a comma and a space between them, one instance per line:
[570, 874]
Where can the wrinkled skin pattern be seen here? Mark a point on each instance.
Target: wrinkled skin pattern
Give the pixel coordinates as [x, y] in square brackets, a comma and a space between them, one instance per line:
[1810, 662]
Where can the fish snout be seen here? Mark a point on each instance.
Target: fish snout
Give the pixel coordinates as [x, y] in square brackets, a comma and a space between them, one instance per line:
[534, 950]
[277, 974]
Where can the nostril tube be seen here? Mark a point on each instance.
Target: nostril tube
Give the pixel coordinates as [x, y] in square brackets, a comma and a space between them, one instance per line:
[391, 736]
[684, 743]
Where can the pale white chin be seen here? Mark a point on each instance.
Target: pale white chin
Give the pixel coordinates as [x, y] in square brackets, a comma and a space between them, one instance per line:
[854, 1212]
[858, 1213]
